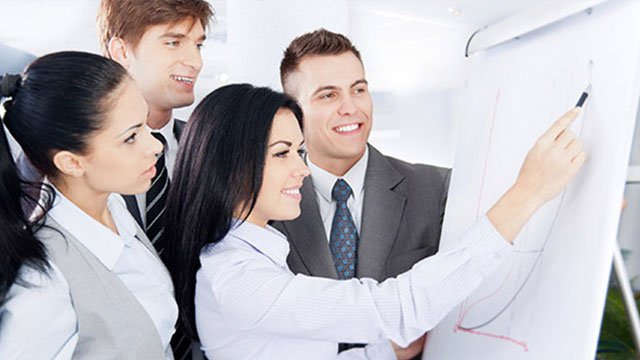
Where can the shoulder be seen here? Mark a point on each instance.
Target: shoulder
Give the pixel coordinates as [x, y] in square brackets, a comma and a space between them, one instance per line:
[39, 298]
[34, 286]
[228, 255]
[232, 262]
[415, 173]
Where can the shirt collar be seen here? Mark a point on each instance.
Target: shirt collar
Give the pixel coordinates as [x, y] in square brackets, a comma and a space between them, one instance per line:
[323, 180]
[267, 240]
[97, 238]
[166, 131]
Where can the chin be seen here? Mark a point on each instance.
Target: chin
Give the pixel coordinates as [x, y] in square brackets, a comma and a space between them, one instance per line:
[136, 190]
[286, 217]
[184, 101]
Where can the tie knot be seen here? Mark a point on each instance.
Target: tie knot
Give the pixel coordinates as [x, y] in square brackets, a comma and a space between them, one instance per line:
[341, 190]
[160, 138]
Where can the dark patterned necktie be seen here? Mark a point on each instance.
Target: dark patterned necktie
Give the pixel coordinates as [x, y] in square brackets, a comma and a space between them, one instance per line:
[157, 199]
[344, 234]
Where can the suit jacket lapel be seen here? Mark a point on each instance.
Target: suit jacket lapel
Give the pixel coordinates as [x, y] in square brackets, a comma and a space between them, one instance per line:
[382, 213]
[307, 235]
[178, 127]
[132, 206]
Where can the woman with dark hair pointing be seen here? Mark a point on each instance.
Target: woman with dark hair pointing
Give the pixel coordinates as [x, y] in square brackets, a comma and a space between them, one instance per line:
[240, 166]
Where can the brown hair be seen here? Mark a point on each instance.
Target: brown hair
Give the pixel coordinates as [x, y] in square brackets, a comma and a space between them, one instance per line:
[320, 42]
[129, 19]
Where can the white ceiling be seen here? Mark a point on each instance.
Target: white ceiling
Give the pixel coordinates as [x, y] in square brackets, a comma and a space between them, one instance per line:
[50, 22]
[473, 13]
[406, 34]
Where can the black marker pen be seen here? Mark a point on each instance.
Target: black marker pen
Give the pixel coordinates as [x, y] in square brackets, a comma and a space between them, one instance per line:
[584, 96]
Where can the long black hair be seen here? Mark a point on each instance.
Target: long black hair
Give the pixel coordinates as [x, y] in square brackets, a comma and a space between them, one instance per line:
[218, 172]
[56, 104]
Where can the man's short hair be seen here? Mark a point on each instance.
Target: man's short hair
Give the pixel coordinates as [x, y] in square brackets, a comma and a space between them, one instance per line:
[129, 19]
[320, 42]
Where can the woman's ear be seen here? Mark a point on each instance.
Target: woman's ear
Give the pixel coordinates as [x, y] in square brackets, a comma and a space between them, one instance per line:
[68, 163]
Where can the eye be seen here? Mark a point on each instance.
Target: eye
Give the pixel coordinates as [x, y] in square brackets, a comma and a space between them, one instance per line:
[199, 46]
[360, 90]
[327, 96]
[281, 154]
[131, 139]
[302, 153]
[173, 43]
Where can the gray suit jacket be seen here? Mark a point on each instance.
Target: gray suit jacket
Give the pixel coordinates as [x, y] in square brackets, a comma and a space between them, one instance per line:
[111, 322]
[401, 221]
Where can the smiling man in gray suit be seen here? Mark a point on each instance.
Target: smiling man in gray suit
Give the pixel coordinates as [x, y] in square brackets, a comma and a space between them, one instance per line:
[364, 214]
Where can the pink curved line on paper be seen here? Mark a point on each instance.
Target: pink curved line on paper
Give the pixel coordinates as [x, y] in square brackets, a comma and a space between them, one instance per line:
[522, 344]
[486, 159]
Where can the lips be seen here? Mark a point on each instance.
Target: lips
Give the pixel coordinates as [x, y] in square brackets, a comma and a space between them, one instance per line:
[187, 80]
[292, 192]
[150, 172]
[347, 128]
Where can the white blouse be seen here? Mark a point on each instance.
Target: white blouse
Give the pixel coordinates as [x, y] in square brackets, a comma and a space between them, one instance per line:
[249, 305]
[39, 321]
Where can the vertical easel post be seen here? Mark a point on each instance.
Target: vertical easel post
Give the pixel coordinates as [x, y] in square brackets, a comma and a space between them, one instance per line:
[627, 295]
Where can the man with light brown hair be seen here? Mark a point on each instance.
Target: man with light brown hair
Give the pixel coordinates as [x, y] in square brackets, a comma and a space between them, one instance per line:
[395, 208]
[158, 42]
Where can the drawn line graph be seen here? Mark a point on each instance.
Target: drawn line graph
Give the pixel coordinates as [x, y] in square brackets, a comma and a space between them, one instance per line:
[478, 326]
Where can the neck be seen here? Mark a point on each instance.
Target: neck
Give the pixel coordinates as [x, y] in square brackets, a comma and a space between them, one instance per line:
[260, 222]
[253, 218]
[336, 166]
[91, 202]
[158, 118]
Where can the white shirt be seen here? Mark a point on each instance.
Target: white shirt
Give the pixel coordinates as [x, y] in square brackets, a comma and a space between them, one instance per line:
[170, 154]
[323, 182]
[249, 305]
[39, 322]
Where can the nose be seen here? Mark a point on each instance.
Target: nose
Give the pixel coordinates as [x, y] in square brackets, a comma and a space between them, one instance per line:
[193, 58]
[347, 106]
[154, 146]
[301, 169]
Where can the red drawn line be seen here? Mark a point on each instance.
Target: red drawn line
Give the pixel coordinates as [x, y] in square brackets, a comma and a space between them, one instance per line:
[486, 159]
[467, 309]
[463, 308]
[519, 343]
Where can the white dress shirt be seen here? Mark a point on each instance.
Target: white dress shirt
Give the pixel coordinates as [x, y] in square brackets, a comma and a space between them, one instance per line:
[323, 182]
[39, 322]
[170, 153]
[249, 305]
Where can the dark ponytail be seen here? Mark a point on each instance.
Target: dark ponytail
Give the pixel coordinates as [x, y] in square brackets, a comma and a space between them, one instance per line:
[59, 102]
[18, 245]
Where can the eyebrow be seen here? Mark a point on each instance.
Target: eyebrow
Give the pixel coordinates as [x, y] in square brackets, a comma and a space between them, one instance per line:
[129, 129]
[174, 35]
[288, 143]
[333, 87]
[358, 82]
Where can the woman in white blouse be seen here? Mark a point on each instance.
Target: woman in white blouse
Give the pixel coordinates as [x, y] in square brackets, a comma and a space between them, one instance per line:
[79, 279]
[240, 166]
